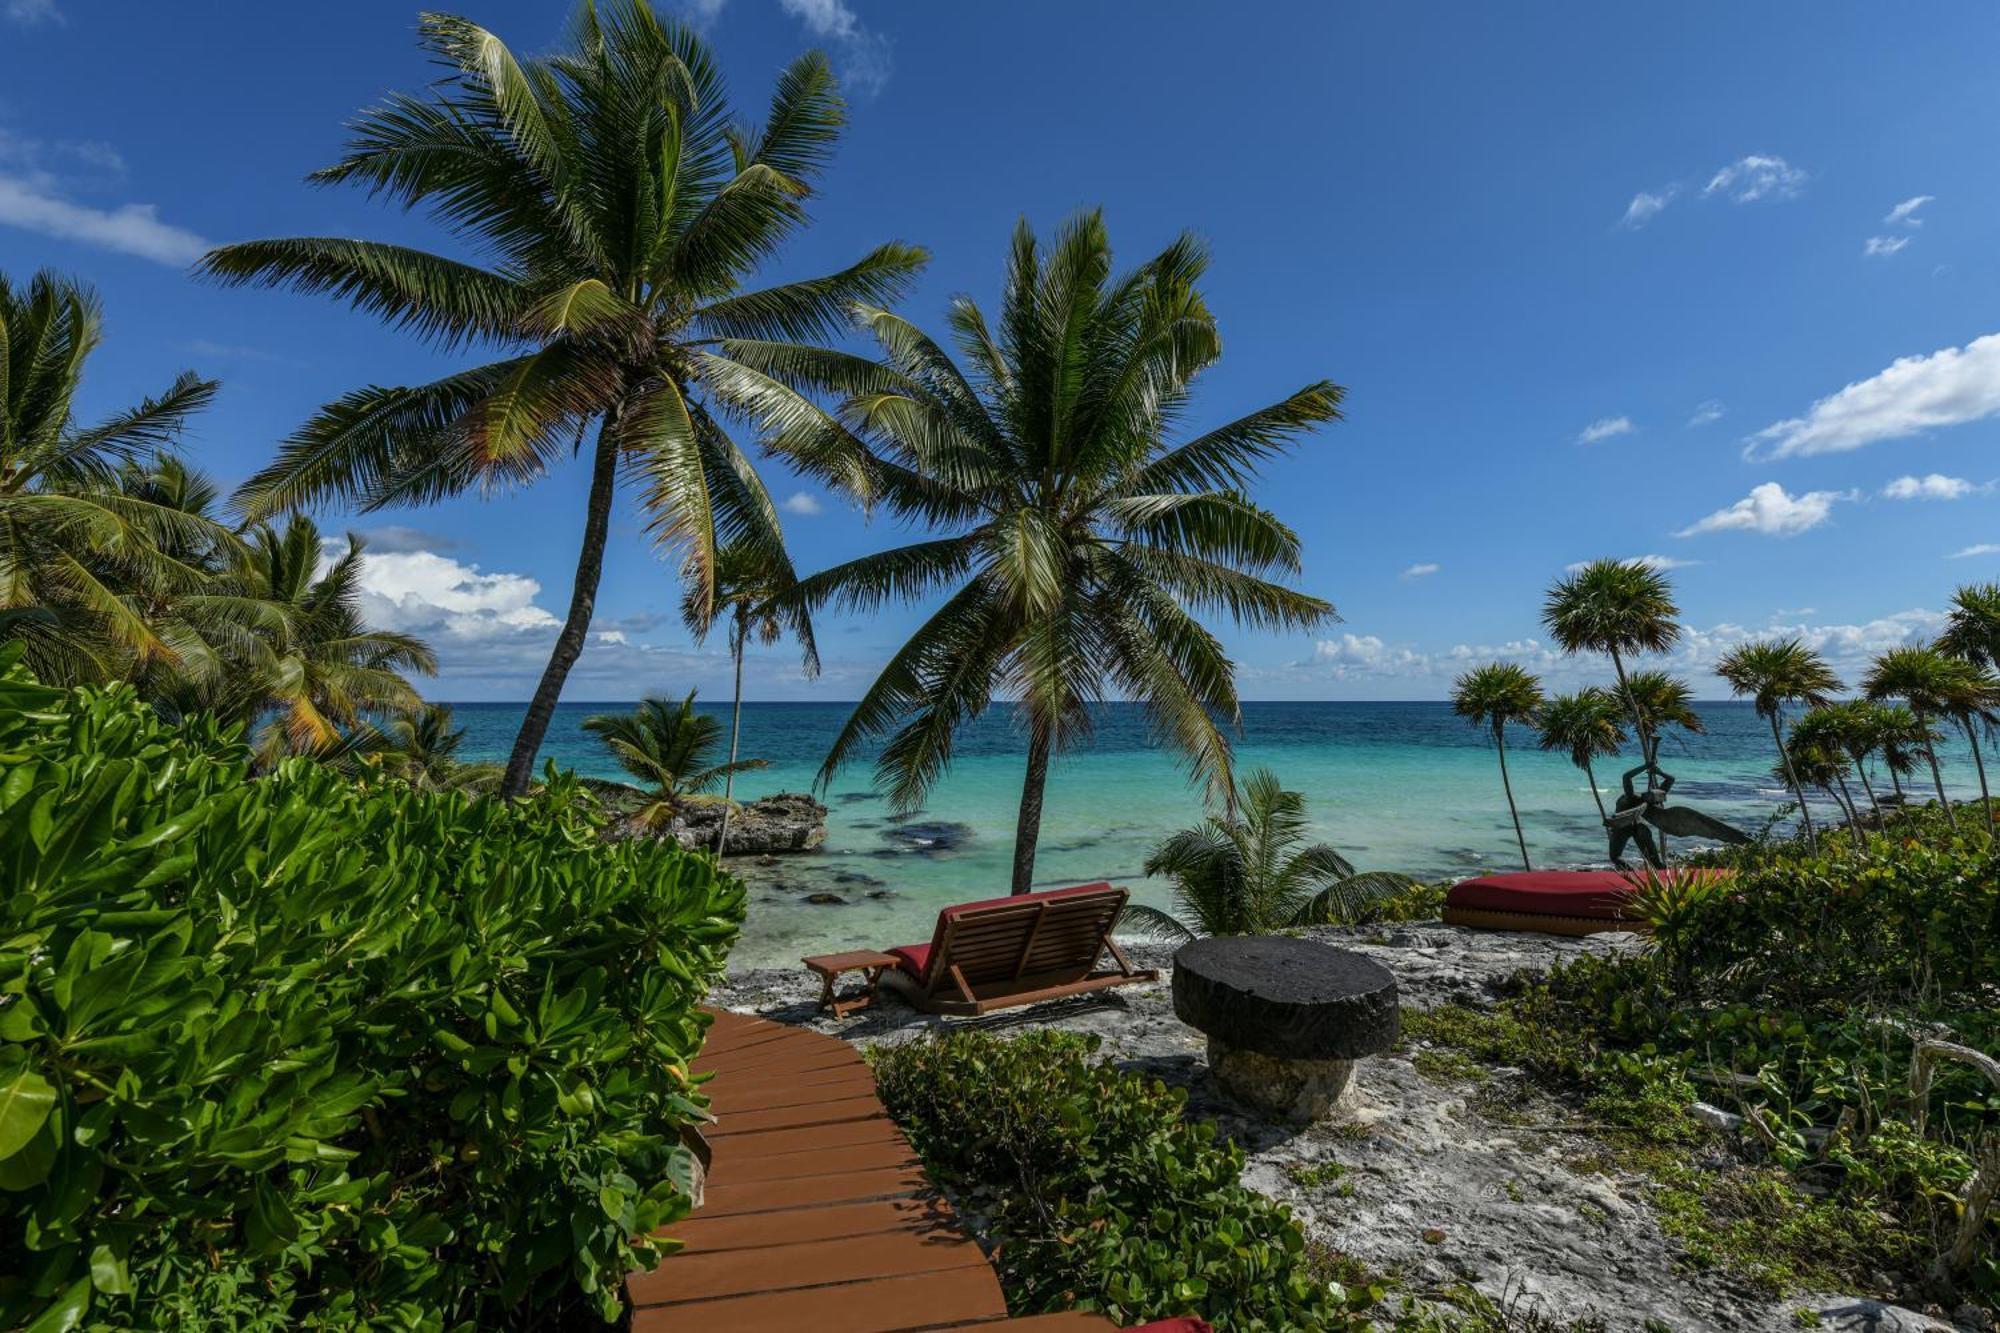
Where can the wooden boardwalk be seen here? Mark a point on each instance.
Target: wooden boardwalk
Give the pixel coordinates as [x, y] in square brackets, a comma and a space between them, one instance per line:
[818, 1214]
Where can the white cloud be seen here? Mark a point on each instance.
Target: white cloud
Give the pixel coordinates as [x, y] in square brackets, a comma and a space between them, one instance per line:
[1754, 177]
[1884, 245]
[801, 502]
[1707, 413]
[1983, 548]
[702, 12]
[613, 636]
[1769, 510]
[1916, 393]
[436, 597]
[1905, 213]
[38, 184]
[1605, 428]
[863, 55]
[30, 13]
[1648, 561]
[1932, 486]
[1421, 570]
[1647, 205]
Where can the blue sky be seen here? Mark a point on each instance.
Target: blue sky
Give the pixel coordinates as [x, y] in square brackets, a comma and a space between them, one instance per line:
[1713, 283]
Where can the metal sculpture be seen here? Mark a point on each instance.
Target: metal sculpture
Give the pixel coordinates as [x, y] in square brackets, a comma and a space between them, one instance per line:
[1636, 814]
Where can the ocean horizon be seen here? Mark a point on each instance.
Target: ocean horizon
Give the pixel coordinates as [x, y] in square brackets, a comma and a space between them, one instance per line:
[1402, 786]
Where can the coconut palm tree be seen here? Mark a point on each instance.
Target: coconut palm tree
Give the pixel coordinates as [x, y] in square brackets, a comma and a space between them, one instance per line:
[617, 213]
[303, 656]
[1584, 725]
[1077, 545]
[1927, 681]
[1773, 673]
[70, 537]
[1494, 696]
[1619, 608]
[420, 749]
[752, 591]
[1250, 871]
[667, 747]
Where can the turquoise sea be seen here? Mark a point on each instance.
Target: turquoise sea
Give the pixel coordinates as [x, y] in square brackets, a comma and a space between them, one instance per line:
[1396, 786]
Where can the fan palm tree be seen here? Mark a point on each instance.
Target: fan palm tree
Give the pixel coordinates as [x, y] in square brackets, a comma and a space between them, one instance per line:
[621, 213]
[1250, 871]
[303, 656]
[1584, 726]
[1927, 681]
[1494, 696]
[1078, 546]
[1773, 673]
[68, 532]
[752, 590]
[1618, 608]
[667, 747]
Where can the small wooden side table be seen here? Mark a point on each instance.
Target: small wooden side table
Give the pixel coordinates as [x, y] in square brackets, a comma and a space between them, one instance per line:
[831, 966]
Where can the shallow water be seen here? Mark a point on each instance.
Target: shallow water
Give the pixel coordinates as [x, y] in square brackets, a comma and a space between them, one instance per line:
[1395, 786]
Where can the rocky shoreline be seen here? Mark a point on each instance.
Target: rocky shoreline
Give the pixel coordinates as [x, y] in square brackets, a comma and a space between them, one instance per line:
[1415, 1177]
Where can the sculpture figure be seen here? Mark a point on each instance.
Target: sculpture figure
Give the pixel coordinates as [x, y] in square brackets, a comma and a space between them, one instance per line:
[1636, 814]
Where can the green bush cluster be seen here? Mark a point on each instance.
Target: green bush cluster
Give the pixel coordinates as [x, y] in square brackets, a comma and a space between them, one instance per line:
[288, 1052]
[1105, 1197]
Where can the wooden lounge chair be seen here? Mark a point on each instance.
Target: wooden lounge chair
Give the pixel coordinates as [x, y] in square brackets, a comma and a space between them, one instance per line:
[1007, 952]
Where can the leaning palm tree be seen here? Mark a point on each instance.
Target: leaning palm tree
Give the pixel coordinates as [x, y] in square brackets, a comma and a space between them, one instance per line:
[1972, 626]
[1250, 871]
[1821, 735]
[667, 747]
[1773, 673]
[1970, 699]
[1618, 608]
[1494, 696]
[69, 533]
[1904, 738]
[1860, 728]
[1076, 546]
[618, 213]
[1927, 681]
[752, 591]
[1584, 726]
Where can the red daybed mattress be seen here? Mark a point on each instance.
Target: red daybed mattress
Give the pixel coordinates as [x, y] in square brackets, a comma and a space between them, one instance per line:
[1556, 902]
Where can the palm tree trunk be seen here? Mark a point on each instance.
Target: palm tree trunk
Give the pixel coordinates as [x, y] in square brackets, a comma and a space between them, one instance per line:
[1896, 784]
[1029, 828]
[1861, 770]
[1979, 762]
[1937, 780]
[1500, 738]
[582, 603]
[1595, 795]
[740, 632]
[1791, 776]
[1853, 815]
[1638, 718]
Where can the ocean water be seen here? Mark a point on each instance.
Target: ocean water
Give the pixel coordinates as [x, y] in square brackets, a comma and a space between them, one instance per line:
[1396, 786]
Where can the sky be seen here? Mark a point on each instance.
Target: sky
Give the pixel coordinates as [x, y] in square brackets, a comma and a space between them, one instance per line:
[1713, 285]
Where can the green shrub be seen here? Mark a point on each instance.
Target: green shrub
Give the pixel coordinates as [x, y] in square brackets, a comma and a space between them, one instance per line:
[286, 1052]
[1105, 1197]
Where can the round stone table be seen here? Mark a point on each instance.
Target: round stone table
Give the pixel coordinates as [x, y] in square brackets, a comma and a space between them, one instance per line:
[1285, 1018]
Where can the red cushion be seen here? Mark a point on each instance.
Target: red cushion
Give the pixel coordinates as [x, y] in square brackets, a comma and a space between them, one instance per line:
[1588, 893]
[913, 958]
[1187, 1323]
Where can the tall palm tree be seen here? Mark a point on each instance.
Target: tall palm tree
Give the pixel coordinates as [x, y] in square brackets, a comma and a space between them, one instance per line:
[303, 656]
[68, 531]
[1584, 726]
[1250, 871]
[1904, 738]
[1773, 673]
[1859, 727]
[1494, 696]
[1077, 545]
[1821, 735]
[1618, 608]
[1926, 680]
[619, 213]
[753, 592]
[666, 746]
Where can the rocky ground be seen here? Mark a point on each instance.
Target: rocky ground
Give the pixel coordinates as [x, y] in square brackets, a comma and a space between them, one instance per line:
[1438, 1182]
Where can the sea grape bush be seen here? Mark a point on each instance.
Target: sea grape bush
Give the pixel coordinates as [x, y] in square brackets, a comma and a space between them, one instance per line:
[288, 1052]
[1104, 1196]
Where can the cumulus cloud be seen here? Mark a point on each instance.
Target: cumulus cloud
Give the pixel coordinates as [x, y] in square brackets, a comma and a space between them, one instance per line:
[1757, 176]
[1916, 393]
[1983, 548]
[1707, 413]
[801, 502]
[1647, 205]
[1932, 486]
[1770, 510]
[39, 184]
[1605, 428]
[1648, 561]
[1421, 570]
[1884, 245]
[1905, 213]
[862, 54]
[434, 596]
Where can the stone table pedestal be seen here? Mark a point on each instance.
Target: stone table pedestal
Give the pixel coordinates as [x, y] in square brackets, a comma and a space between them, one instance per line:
[1285, 1018]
